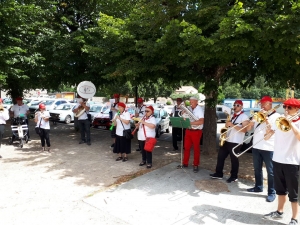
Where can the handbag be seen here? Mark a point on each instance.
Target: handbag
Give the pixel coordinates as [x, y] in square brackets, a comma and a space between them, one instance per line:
[37, 129]
[127, 133]
[149, 143]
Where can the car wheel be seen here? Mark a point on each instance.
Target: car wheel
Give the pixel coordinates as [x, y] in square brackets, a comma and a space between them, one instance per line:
[68, 119]
[158, 132]
[168, 130]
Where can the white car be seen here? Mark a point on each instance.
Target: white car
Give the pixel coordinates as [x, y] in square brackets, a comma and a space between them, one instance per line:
[63, 113]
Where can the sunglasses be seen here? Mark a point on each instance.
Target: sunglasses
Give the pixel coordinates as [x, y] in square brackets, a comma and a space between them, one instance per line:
[147, 111]
[287, 107]
[236, 105]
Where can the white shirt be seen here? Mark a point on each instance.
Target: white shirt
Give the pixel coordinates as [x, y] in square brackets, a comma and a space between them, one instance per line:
[287, 147]
[234, 135]
[141, 111]
[150, 132]
[259, 134]
[84, 115]
[19, 109]
[4, 116]
[119, 128]
[44, 124]
[198, 112]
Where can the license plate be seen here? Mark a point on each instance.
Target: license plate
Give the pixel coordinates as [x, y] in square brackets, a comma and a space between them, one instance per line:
[102, 127]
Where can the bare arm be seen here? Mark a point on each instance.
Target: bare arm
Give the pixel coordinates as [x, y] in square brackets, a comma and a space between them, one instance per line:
[198, 122]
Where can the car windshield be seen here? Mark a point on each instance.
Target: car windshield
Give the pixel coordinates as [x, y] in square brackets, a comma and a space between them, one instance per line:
[156, 113]
[106, 111]
[48, 102]
[96, 108]
[35, 103]
[63, 107]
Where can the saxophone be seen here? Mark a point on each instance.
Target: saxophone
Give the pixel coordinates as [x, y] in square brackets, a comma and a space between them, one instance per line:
[223, 131]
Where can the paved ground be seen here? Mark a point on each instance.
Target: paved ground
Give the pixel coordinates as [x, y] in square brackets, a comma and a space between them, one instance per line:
[74, 185]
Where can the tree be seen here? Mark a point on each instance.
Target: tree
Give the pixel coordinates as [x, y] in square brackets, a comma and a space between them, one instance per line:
[211, 42]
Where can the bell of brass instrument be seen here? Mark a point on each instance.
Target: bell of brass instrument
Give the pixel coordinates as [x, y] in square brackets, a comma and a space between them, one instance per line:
[284, 123]
[188, 114]
[223, 131]
[1, 108]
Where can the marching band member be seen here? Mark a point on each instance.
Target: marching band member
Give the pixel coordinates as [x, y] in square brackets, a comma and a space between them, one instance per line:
[122, 145]
[42, 121]
[177, 131]
[193, 136]
[83, 121]
[140, 112]
[286, 160]
[235, 136]
[263, 150]
[146, 126]
[3, 117]
[113, 110]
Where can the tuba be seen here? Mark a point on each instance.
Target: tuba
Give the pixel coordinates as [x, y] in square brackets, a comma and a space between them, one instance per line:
[188, 114]
[85, 90]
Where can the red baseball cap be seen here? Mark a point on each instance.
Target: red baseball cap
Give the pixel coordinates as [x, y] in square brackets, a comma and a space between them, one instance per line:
[238, 102]
[122, 105]
[140, 100]
[150, 107]
[42, 106]
[292, 102]
[266, 99]
[116, 96]
[19, 98]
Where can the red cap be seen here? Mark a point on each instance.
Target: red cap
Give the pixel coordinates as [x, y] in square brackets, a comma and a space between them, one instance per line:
[238, 102]
[266, 99]
[121, 104]
[140, 100]
[292, 102]
[42, 106]
[150, 107]
[19, 98]
[179, 99]
[116, 96]
[1, 100]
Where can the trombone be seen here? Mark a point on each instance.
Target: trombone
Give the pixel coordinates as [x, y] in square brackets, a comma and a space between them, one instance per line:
[263, 118]
[284, 124]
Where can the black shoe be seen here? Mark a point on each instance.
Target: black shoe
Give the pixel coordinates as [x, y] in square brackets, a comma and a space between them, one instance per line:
[196, 169]
[125, 159]
[119, 158]
[149, 166]
[215, 176]
[180, 166]
[231, 179]
[113, 145]
[174, 149]
[142, 163]
[88, 143]
[28, 139]
[81, 142]
[254, 189]
[138, 149]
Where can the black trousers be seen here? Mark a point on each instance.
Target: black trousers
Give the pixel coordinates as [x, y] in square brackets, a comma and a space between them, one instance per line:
[177, 136]
[224, 151]
[146, 156]
[44, 135]
[2, 126]
[85, 132]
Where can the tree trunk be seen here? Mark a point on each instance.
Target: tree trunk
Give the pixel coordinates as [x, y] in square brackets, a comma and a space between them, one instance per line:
[210, 142]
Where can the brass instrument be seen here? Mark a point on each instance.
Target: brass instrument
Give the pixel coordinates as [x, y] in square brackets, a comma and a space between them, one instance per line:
[284, 123]
[1, 108]
[188, 114]
[81, 109]
[223, 131]
[261, 117]
[86, 90]
[137, 127]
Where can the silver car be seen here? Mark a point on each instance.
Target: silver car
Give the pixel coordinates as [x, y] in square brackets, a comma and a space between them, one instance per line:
[63, 113]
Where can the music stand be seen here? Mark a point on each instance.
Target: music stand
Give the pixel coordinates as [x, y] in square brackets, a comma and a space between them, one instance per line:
[181, 123]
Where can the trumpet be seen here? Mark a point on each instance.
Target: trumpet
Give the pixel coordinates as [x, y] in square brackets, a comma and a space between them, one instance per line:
[284, 123]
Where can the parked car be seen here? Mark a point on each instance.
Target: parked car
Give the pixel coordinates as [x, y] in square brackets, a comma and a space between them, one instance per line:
[63, 113]
[97, 108]
[7, 103]
[162, 121]
[33, 107]
[49, 103]
[101, 120]
[221, 116]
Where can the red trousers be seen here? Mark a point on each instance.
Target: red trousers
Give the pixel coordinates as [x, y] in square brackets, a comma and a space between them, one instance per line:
[192, 138]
